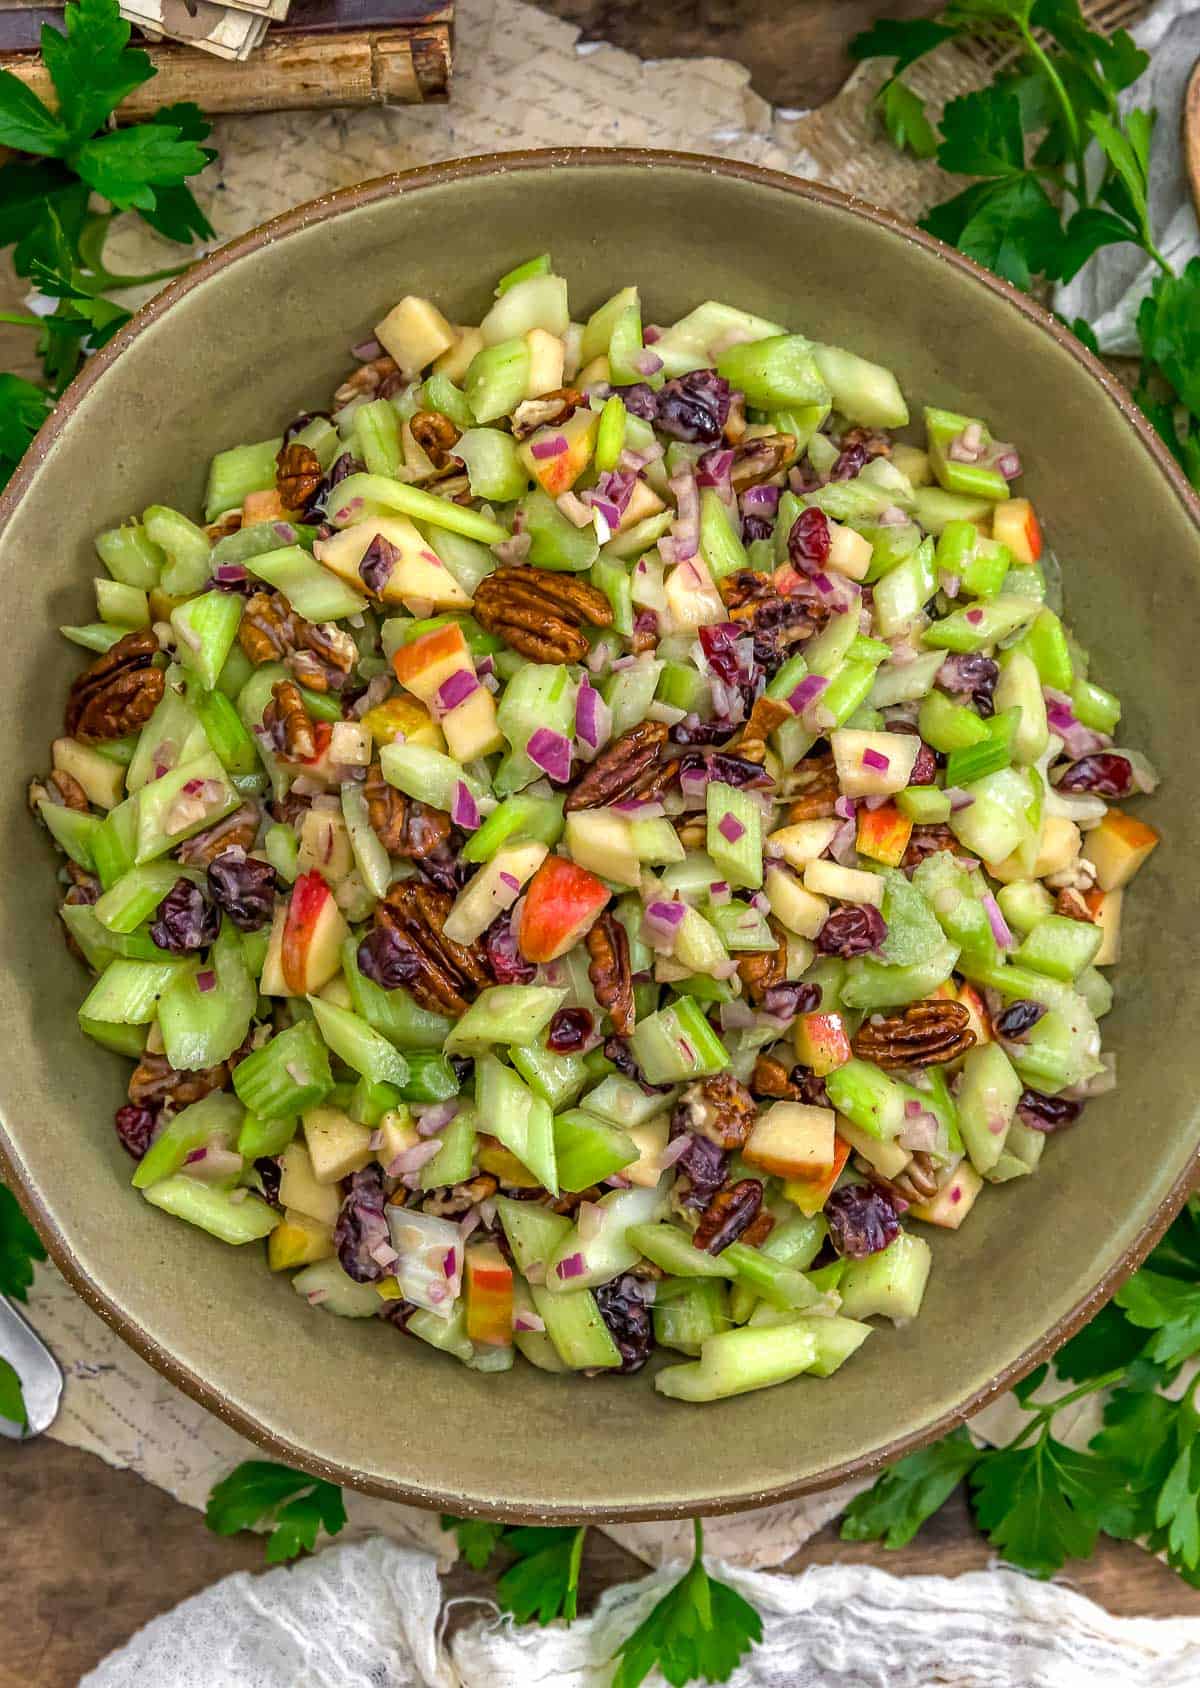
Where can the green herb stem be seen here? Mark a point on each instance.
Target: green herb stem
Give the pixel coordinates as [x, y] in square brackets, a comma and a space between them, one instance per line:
[1042, 58]
[15, 320]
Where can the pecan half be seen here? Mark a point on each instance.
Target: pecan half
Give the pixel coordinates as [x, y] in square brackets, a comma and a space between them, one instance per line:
[632, 766]
[155, 1080]
[286, 721]
[756, 460]
[766, 715]
[368, 381]
[570, 1200]
[532, 414]
[540, 615]
[236, 831]
[759, 1229]
[298, 475]
[609, 971]
[927, 841]
[917, 1183]
[728, 1215]
[444, 974]
[324, 654]
[761, 970]
[267, 630]
[70, 793]
[454, 1201]
[1069, 903]
[772, 1078]
[229, 523]
[874, 443]
[741, 591]
[118, 693]
[816, 790]
[923, 1034]
[719, 1108]
[404, 827]
[691, 830]
[436, 435]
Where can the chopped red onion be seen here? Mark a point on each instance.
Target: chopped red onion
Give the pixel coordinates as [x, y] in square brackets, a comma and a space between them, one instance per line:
[877, 760]
[1008, 463]
[535, 1272]
[589, 1221]
[730, 828]
[675, 1150]
[845, 808]
[892, 516]
[206, 980]
[450, 1262]
[464, 811]
[685, 529]
[647, 363]
[412, 1160]
[951, 585]
[553, 447]
[808, 690]
[1000, 927]
[959, 799]
[920, 1131]
[456, 688]
[367, 350]
[529, 1321]
[640, 808]
[974, 616]
[842, 844]
[375, 1141]
[229, 573]
[515, 549]
[574, 509]
[470, 1221]
[762, 500]
[551, 752]
[383, 1254]
[574, 1266]
[719, 893]
[435, 1117]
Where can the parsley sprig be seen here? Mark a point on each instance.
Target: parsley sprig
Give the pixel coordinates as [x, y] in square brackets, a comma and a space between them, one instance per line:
[1042, 1502]
[296, 1507]
[67, 157]
[20, 1246]
[1037, 209]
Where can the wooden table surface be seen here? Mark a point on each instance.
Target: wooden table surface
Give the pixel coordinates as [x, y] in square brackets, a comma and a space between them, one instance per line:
[92, 1553]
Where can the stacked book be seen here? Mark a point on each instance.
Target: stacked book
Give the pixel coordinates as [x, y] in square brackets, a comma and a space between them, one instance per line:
[264, 55]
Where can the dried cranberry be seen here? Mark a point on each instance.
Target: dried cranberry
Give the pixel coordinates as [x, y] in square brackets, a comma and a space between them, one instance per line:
[270, 1175]
[244, 888]
[362, 1227]
[464, 1067]
[346, 464]
[811, 1087]
[641, 401]
[397, 1313]
[570, 1029]
[850, 462]
[386, 961]
[786, 1001]
[809, 541]
[1018, 1017]
[508, 965]
[693, 407]
[727, 768]
[703, 1163]
[617, 1050]
[925, 767]
[855, 929]
[756, 527]
[185, 920]
[1047, 1113]
[861, 1220]
[728, 1215]
[1104, 774]
[719, 645]
[135, 1127]
[628, 1319]
[443, 868]
[692, 730]
[968, 672]
[378, 561]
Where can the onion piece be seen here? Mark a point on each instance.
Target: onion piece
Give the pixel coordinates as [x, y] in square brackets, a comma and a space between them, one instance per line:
[551, 752]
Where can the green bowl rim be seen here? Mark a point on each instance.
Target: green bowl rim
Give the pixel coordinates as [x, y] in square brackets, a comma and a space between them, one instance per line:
[435, 175]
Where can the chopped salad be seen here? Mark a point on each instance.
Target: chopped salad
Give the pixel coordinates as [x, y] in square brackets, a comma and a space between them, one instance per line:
[596, 841]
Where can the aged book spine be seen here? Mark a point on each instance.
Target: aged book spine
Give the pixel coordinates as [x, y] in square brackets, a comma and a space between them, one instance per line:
[287, 73]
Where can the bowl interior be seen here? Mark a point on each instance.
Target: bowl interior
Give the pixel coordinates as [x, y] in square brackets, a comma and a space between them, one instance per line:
[265, 336]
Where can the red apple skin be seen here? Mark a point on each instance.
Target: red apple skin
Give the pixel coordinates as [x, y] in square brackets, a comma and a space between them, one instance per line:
[883, 834]
[411, 661]
[821, 1042]
[489, 1290]
[811, 1194]
[561, 904]
[309, 896]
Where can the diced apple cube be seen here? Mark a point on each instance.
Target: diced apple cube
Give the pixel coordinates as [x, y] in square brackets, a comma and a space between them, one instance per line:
[259, 507]
[300, 1188]
[849, 553]
[978, 1019]
[883, 834]
[1118, 847]
[913, 463]
[883, 1153]
[546, 357]
[414, 332]
[102, 780]
[792, 1140]
[849, 884]
[643, 503]
[298, 1240]
[873, 764]
[803, 842]
[811, 1194]
[350, 744]
[493, 889]
[573, 441]
[488, 1285]
[650, 1138]
[561, 904]
[601, 840]
[692, 599]
[1060, 844]
[957, 1195]
[454, 364]
[471, 727]
[1105, 907]
[271, 981]
[821, 1042]
[405, 719]
[425, 663]
[313, 934]
[1015, 524]
[337, 1145]
[794, 907]
[325, 845]
[396, 1134]
[337, 991]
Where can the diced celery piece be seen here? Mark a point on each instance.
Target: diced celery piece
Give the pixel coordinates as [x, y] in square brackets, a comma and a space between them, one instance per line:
[258, 538]
[127, 992]
[671, 1248]
[987, 1099]
[180, 804]
[361, 495]
[992, 753]
[431, 1078]
[356, 1043]
[124, 1040]
[377, 431]
[741, 927]
[925, 805]
[913, 934]
[629, 693]
[868, 1098]
[202, 1027]
[947, 726]
[902, 593]
[1060, 947]
[775, 373]
[114, 841]
[1061, 1050]
[934, 507]
[613, 579]
[534, 1232]
[440, 393]
[734, 833]
[496, 380]
[1046, 643]
[95, 636]
[737, 1361]
[610, 438]
[555, 542]
[625, 348]
[258, 1137]
[121, 606]
[394, 1013]
[137, 894]
[522, 1121]
[862, 391]
[234, 473]
[872, 985]
[100, 947]
[557, 1079]
[222, 727]
[1024, 902]
[520, 816]
[623, 1102]
[245, 1220]
[528, 302]
[205, 628]
[779, 1284]
[314, 592]
[282, 849]
[72, 830]
[848, 690]
[998, 820]
[322, 438]
[494, 467]
[453, 1162]
[505, 1014]
[185, 548]
[692, 1311]
[427, 775]
[1096, 708]
[891, 1282]
[583, 1261]
[677, 1043]
[574, 1325]
[978, 625]
[720, 547]
[217, 1115]
[171, 736]
[129, 556]
[967, 479]
[287, 1075]
[588, 1150]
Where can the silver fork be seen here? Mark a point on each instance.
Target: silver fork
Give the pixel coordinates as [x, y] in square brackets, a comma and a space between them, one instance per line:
[38, 1370]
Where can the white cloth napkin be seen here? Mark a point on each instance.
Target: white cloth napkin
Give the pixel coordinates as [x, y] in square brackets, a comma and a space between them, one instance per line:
[1109, 289]
[367, 1616]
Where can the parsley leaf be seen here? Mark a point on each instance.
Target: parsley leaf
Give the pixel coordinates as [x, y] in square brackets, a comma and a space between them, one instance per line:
[1109, 1340]
[175, 212]
[896, 1505]
[697, 1632]
[478, 1538]
[296, 1506]
[1043, 1504]
[26, 124]
[23, 408]
[12, 1402]
[1168, 1306]
[905, 40]
[126, 165]
[1014, 230]
[544, 1582]
[1090, 229]
[1169, 329]
[903, 115]
[982, 133]
[91, 66]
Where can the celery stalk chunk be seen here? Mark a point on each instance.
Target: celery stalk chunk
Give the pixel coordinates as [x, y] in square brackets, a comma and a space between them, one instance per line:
[504, 1014]
[358, 1044]
[573, 1323]
[582, 1262]
[735, 833]
[205, 628]
[454, 1160]
[692, 1311]
[313, 591]
[203, 1026]
[185, 546]
[534, 1233]
[180, 804]
[737, 1361]
[775, 373]
[677, 1043]
[891, 1282]
[127, 992]
[366, 495]
[234, 473]
[673, 1249]
[394, 1013]
[522, 1121]
[214, 1210]
[287, 1075]
[216, 1116]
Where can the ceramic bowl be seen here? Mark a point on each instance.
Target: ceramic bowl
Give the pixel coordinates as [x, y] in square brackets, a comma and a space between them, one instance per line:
[261, 330]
